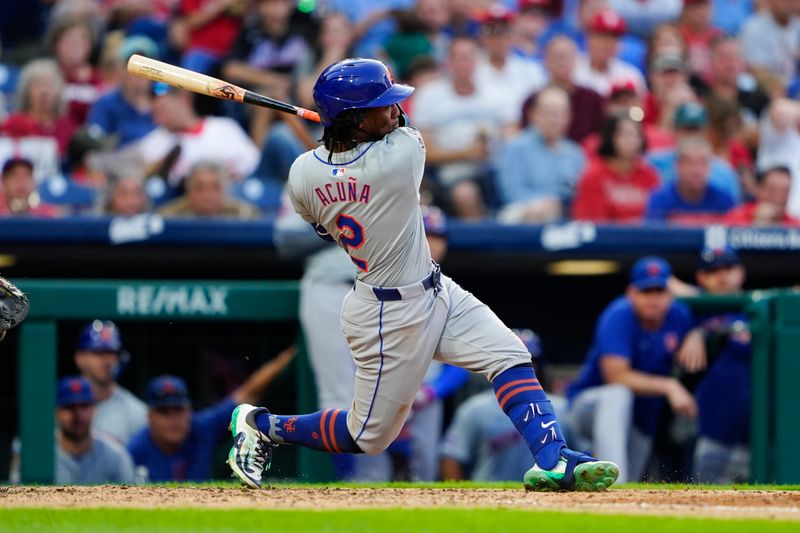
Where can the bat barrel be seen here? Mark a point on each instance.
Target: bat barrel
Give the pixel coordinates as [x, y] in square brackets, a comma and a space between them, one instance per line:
[202, 84]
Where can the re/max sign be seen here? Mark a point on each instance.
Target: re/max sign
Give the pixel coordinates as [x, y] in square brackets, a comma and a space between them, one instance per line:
[153, 300]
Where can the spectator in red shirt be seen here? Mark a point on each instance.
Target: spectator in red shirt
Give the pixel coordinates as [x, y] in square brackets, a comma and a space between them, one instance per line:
[19, 197]
[72, 41]
[211, 26]
[698, 32]
[616, 184]
[769, 208]
[40, 105]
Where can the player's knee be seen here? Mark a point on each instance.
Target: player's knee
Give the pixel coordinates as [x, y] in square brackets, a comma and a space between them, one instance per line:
[378, 441]
[374, 446]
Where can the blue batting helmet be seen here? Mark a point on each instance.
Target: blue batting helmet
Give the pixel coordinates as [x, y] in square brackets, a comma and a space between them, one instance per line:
[356, 84]
[100, 336]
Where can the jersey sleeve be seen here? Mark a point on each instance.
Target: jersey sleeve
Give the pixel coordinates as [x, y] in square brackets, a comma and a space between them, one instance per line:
[293, 190]
[408, 147]
[615, 333]
[294, 238]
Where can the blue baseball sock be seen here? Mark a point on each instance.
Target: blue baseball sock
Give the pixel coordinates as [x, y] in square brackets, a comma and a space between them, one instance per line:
[522, 399]
[324, 430]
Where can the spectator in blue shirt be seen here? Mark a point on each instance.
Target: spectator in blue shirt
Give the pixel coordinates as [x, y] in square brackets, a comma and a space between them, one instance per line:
[690, 199]
[691, 120]
[179, 444]
[124, 113]
[616, 400]
[539, 169]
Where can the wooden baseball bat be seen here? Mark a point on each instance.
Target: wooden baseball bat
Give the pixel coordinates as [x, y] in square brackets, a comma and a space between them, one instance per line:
[202, 84]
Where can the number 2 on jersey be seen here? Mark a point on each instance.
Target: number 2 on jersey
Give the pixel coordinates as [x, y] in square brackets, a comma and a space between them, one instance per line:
[352, 237]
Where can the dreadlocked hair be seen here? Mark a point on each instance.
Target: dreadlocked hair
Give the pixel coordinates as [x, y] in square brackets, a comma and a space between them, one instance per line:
[343, 134]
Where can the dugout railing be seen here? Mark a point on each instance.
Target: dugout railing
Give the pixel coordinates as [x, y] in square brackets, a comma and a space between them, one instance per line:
[774, 325]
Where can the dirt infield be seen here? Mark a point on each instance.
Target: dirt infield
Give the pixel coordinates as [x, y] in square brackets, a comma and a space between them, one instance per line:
[783, 505]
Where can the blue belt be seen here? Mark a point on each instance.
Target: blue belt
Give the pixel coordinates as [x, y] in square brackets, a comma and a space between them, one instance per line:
[389, 295]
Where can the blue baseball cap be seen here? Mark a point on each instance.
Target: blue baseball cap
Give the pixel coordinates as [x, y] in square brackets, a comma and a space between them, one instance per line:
[650, 273]
[74, 390]
[712, 258]
[100, 336]
[168, 391]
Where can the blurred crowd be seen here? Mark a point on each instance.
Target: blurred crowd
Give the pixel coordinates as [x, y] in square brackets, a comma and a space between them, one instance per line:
[532, 110]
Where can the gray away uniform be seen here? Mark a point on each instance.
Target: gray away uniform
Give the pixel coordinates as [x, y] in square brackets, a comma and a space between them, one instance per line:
[394, 319]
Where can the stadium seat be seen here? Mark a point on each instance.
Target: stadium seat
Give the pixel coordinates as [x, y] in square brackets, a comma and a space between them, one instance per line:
[263, 193]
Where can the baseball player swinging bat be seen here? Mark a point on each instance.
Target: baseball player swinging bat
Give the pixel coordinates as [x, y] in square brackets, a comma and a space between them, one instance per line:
[202, 84]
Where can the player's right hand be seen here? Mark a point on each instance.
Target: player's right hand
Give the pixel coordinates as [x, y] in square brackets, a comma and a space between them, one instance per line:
[692, 354]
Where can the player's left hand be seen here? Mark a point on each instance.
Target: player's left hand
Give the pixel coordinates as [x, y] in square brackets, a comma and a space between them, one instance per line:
[14, 306]
[692, 354]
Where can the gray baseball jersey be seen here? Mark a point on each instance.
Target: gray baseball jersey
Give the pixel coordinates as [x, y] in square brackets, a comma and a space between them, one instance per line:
[105, 462]
[367, 199]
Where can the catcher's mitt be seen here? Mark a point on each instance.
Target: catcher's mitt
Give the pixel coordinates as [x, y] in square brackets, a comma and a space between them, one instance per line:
[14, 306]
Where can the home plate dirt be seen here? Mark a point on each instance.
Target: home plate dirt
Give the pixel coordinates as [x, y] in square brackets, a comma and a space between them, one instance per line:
[784, 505]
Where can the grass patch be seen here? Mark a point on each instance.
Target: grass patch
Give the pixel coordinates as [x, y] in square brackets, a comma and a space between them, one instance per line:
[367, 521]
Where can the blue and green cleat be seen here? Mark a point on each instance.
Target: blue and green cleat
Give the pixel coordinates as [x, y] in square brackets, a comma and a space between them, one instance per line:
[574, 472]
[251, 453]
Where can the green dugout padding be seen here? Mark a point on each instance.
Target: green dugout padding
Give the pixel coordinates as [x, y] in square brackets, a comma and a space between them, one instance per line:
[54, 300]
[775, 328]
